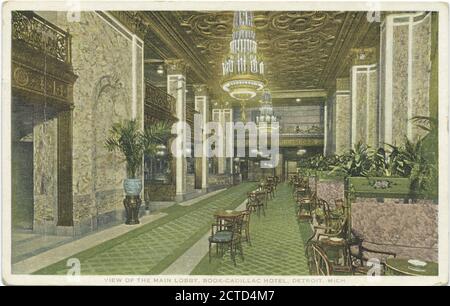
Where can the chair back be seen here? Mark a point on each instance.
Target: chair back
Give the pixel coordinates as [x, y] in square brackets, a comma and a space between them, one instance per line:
[246, 216]
[237, 227]
[319, 264]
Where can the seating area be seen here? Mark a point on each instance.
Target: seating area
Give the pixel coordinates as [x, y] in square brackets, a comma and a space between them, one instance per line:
[232, 227]
[335, 247]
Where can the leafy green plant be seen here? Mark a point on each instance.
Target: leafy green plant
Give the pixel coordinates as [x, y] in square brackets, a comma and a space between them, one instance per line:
[154, 135]
[430, 153]
[127, 138]
[380, 163]
[355, 163]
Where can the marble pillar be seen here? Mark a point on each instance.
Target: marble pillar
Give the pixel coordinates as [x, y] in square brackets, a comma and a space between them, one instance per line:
[223, 116]
[329, 120]
[202, 106]
[326, 147]
[342, 123]
[364, 97]
[229, 139]
[405, 65]
[176, 87]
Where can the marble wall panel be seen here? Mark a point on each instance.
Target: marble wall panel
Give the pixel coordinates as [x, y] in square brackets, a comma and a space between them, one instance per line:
[400, 84]
[45, 172]
[343, 123]
[372, 110]
[359, 90]
[421, 70]
[409, 230]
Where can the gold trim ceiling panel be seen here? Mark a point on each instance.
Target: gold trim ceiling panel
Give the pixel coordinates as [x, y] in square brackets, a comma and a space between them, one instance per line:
[295, 45]
[302, 50]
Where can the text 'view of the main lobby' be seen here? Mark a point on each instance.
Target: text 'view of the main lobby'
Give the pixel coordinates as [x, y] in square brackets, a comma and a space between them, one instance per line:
[224, 143]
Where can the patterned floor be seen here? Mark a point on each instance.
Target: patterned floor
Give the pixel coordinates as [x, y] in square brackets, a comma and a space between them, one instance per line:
[153, 247]
[277, 244]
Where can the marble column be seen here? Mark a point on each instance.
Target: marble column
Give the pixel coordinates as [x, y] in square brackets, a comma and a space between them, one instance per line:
[202, 106]
[342, 118]
[364, 97]
[223, 116]
[229, 139]
[405, 65]
[326, 150]
[329, 126]
[176, 86]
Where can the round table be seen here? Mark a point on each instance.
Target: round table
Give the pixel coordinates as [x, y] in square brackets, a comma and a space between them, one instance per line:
[229, 215]
[402, 267]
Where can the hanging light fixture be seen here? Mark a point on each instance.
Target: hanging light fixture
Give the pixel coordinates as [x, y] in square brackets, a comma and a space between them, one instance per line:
[160, 69]
[243, 68]
[266, 117]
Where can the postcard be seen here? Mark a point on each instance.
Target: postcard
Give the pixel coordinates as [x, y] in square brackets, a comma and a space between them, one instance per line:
[216, 143]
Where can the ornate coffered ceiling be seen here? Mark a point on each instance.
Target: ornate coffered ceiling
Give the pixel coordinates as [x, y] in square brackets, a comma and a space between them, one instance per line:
[303, 50]
[296, 46]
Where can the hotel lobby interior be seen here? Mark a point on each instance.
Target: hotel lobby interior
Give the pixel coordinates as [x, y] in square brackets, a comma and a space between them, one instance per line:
[347, 99]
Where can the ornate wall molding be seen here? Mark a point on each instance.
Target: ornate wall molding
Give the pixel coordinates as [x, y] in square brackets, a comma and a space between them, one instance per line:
[41, 61]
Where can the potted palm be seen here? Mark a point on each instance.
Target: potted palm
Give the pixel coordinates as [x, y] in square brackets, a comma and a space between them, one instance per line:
[127, 138]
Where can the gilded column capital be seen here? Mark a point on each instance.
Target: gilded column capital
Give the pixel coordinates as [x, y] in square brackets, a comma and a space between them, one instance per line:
[342, 84]
[363, 56]
[200, 89]
[176, 66]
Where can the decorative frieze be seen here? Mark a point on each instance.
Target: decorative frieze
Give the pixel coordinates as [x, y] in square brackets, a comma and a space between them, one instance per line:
[38, 82]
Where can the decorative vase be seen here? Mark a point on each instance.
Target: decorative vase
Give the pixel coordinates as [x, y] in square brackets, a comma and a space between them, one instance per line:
[132, 186]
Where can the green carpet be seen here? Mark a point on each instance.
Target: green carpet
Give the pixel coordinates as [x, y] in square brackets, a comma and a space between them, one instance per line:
[277, 248]
[151, 248]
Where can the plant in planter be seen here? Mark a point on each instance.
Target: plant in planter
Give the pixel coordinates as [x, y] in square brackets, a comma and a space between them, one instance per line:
[127, 138]
[355, 163]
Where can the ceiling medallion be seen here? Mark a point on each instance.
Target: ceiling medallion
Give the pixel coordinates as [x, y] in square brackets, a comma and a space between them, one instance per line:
[243, 68]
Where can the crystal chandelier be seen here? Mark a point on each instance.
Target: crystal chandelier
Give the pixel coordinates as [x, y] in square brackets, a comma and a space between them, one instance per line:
[243, 68]
[266, 118]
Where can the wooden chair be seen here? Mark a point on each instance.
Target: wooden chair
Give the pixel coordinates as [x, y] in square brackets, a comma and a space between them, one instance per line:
[332, 228]
[246, 226]
[301, 189]
[352, 258]
[305, 206]
[227, 237]
[268, 188]
[255, 203]
[318, 262]
[362, 255]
